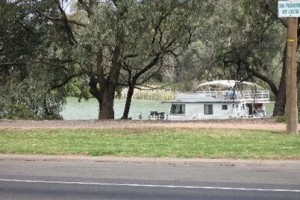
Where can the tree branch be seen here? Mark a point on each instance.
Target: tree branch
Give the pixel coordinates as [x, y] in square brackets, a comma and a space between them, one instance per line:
[262, 77]
[88, 7]
[70, 34]
[67, 79]
[275, 15]
[7, 64]
[61, 19]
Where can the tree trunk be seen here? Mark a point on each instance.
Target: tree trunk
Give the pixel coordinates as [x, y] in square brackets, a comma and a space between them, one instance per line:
[103, 89]
[132, 82]
[108, 88]
[107, 103]
[279, 107]
[280, 101]
[128, 101]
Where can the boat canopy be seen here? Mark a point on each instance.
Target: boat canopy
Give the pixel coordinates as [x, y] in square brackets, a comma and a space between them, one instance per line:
[220, 85]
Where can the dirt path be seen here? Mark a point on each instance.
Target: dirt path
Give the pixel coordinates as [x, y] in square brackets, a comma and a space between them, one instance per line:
[257, 124]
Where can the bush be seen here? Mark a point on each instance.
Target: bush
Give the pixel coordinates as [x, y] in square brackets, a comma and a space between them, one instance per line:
[282, 119]
[19, 112]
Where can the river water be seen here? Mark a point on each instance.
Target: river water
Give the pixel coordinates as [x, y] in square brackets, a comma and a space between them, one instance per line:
[86, 110]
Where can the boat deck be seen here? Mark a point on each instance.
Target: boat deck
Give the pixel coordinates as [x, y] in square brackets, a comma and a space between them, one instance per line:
[258, 95]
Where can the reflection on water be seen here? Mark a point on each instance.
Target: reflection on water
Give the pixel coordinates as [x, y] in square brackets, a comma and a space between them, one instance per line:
[85, 110]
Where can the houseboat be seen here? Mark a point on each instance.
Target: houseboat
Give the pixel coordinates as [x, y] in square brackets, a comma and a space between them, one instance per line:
[221, 99]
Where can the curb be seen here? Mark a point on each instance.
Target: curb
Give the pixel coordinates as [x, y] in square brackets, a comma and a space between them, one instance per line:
[142, 160]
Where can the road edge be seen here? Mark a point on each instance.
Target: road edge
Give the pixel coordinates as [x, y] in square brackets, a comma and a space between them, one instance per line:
[144, 160]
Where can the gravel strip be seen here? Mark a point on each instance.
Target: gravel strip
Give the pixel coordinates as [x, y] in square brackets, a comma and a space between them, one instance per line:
[252, 124]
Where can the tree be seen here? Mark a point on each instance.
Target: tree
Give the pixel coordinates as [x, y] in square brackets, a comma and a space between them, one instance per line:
[248, 44]
[131, 38]
[108, 45]
[34, 61]
[164, 34]
[102, 42]
[265, 49]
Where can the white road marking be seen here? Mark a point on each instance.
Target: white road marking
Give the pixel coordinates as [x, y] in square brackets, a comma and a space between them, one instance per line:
[150, 186]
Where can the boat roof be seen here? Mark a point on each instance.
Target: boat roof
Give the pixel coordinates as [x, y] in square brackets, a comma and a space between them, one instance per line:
[226, 84]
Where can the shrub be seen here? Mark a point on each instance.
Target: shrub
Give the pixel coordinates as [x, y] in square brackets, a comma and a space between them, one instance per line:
[19, 112]
[282, 119]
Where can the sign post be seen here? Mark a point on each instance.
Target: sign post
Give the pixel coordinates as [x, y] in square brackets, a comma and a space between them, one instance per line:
[291, 9]
[291, 77]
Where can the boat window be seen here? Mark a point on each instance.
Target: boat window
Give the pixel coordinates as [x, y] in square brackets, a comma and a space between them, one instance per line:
[224, 107]
[178, 109]
[208, 109]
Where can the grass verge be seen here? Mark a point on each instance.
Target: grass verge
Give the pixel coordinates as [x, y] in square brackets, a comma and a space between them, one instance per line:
[182, 143]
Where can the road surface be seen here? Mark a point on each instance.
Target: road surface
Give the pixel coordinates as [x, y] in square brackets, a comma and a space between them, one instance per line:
[160, 179]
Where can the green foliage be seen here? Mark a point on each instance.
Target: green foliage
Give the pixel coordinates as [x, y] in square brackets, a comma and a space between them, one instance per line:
[18, 112]
[141, 37]
[282, 119]
[241, 37]
[34, 61]
[43, 58]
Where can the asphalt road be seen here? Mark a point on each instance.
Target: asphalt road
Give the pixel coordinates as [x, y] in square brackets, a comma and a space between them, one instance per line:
[51, 179]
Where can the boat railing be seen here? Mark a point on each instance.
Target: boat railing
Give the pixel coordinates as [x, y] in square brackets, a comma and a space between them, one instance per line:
[256, 95]
[260, 95]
